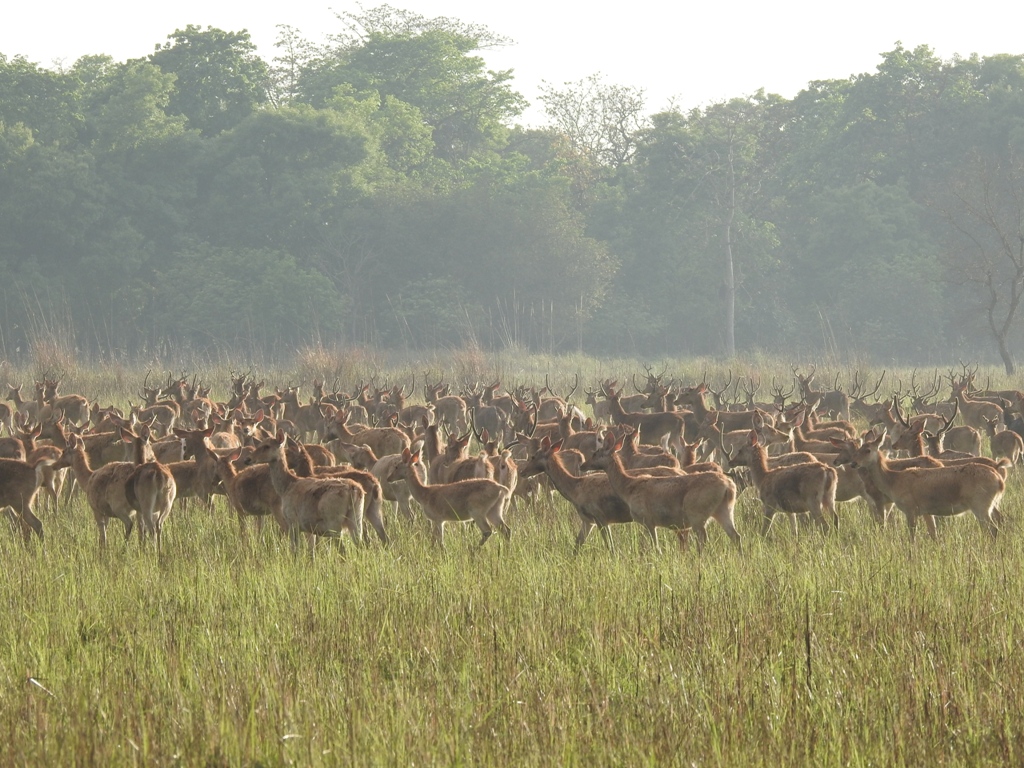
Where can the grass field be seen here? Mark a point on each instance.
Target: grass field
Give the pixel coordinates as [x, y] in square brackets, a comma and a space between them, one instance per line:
[856, 649]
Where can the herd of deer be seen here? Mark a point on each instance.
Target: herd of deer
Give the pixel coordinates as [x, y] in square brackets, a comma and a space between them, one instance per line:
[663, 457]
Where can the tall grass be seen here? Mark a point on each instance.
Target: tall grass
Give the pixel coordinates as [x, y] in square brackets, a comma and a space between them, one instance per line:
[856, 649]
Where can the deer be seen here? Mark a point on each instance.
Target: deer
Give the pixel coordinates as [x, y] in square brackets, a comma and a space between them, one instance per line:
[596, 504]
[300, 462]
[74, 407]
[19, 485]
[313, 506]
[30, 408]
[693, 398]
[477, 500]
[160, 414]
[870, 412]
[832, 401]
[792, 489]
[151, 486]
[250, 491]
[449, 409]
[109, 489]
[936, 491]
[6, 418]
[975, 412]
[383, 440]
[196, 477]
[920, 443]
[651, 426]
[1005, 444]
[680, 503]
[52, 479]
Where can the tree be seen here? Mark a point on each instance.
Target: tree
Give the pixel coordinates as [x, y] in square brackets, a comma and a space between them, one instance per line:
[276, 178]
[983, 209]
[220, 79]
[427, 63]
[600, 120]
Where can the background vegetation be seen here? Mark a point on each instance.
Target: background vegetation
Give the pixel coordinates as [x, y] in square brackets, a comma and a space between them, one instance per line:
[378, 190]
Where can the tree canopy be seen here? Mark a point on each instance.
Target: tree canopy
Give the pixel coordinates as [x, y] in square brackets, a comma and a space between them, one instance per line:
[377, 189]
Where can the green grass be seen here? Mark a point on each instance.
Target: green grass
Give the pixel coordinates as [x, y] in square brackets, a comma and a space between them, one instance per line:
[858, 649]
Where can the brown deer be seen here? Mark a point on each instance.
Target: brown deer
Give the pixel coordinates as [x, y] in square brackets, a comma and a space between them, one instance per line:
[975, 412]
[6, 418]
[1004, 445]
[477, 500]
[382, 441]
[19, 484]
[74, 407]
[938, 491]
[597, 505]
[107, 489]
[300, 461]
[680, 503]
[52, 479]
[791, 489]
[313, 506]
[830, 401]
[651, 426]
[250, 491]
[151, 487]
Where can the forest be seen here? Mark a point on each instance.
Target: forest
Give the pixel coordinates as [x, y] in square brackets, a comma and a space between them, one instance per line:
[380, 190]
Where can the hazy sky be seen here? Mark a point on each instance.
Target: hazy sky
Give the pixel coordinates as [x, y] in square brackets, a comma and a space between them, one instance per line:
[692, 53]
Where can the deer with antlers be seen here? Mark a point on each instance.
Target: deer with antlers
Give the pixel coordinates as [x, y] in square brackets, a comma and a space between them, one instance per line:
[651, 426]
[831, 401]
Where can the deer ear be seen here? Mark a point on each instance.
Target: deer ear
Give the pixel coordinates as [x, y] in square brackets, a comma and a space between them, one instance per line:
[556, 447]
[753, 437]
[836, 443]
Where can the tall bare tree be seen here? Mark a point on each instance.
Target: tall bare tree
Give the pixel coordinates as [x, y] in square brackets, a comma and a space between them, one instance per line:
[984, 211]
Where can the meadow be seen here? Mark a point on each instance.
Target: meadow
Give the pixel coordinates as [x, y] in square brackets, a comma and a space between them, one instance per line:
[853, 649]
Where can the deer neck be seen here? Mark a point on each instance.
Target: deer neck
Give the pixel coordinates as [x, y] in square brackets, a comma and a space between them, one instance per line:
[616, 471]
[281, 477]
[80, 466]
[563, 480]
[758, 463]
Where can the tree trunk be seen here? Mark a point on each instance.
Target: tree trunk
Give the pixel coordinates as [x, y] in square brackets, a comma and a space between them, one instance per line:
[730, 273]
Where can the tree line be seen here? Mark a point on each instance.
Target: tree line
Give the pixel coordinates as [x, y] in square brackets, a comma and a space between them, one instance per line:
[378, 189]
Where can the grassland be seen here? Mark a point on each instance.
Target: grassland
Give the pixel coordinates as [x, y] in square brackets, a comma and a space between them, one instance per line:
[857, 649]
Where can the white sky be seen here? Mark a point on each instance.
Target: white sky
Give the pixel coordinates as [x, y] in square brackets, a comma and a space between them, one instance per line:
[693, 55]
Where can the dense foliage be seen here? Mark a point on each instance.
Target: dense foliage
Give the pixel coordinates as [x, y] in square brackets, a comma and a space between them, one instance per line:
[377, 190]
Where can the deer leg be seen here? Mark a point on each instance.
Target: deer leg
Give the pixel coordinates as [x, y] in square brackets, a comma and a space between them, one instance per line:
[29, 524]
[376, 520]
[701, 532]
[984, 518]
[724, 518]
[683, 537]
[911, 516]
[768, 515]
[485, 530]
